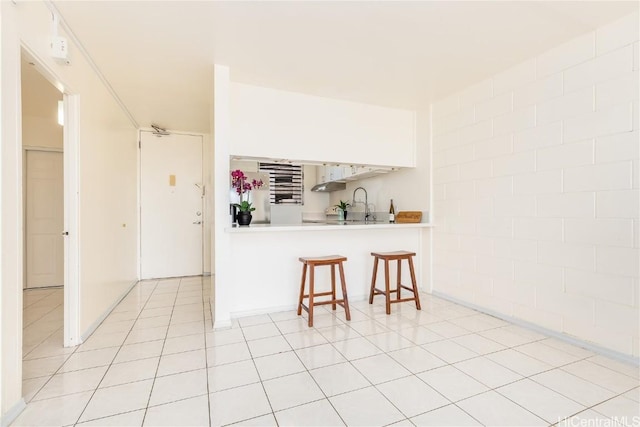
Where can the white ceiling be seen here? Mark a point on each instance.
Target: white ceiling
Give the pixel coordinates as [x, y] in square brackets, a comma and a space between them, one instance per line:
[158, 55]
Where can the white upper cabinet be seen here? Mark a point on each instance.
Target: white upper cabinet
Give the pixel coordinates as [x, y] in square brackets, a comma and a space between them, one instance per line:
[275, 124]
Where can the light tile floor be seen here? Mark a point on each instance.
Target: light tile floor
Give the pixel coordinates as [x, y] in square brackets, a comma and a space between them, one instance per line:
[156, 361]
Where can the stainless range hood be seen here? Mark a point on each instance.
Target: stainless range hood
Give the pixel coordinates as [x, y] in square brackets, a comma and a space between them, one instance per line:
[329, 186]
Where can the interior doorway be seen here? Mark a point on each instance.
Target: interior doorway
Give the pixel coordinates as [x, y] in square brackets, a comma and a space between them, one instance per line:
[43, 179]
[43, 208]
[50, 135]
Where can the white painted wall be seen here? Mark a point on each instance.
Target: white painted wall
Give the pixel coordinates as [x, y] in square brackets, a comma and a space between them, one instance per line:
[276, 124]
[108, 190]
[11, 272]
[108, 182]
[536, 190]
[39, 132]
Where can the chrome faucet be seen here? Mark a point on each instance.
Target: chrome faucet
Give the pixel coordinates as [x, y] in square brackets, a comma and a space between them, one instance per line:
[366, 202]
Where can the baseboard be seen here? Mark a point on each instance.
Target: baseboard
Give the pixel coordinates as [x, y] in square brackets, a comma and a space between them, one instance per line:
[11, 415]
[91, 329]
[544, 331]
[222, 324]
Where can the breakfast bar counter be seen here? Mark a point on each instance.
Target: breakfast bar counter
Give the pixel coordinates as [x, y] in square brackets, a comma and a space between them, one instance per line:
[261, 272]
[323, 226]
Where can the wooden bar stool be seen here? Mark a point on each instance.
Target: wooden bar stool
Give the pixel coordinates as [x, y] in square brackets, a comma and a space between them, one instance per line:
[312, 262]
[394, 256]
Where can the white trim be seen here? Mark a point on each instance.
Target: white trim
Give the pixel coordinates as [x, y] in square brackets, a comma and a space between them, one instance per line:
[219, 324]
[92, 328]
[11, 415]
[430, 216]
[71, 134]
[139, 213]
[544, 331]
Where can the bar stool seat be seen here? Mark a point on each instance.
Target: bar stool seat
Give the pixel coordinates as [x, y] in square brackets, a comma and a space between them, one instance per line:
[312, 262]
[398, 256]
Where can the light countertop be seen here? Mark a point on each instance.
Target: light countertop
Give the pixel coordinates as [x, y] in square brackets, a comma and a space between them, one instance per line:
[323, 226]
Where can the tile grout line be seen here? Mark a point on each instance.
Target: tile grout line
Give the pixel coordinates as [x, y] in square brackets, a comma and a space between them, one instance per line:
[412, 374]
[206, 354]
[350, 362]
[312, 378]
[132, 382]
[452, 365]
[50, 376]
[264, 390]
[392, 328]
[164, 342]
[116, 355]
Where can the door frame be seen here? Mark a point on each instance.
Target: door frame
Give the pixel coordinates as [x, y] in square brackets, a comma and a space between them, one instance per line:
[71, 161]
[71, 166]
[204, 195]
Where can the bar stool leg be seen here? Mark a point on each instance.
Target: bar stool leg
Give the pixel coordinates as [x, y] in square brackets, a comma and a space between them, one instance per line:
[344, 293]
[399, 279]
[304, 279]
[373, 279]
[333, 285]
[387, 294]
[414, 284]
[311, 290]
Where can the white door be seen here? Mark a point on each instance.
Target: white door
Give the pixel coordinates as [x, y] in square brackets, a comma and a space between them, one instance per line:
[171, 205]
[44, 222]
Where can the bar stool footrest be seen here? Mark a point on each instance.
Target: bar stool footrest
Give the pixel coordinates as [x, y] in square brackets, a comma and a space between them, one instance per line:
[321, 294]
[377, 291]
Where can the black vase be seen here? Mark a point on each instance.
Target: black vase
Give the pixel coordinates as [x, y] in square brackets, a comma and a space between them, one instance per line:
[244, 218]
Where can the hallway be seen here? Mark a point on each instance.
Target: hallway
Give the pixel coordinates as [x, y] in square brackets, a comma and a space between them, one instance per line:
[156, 361]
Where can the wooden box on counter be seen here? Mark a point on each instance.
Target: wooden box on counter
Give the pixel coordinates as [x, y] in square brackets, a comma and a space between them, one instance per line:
[408, 217]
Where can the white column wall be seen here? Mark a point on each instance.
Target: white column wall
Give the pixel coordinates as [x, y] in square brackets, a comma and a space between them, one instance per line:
[536, 190]
[221, 282]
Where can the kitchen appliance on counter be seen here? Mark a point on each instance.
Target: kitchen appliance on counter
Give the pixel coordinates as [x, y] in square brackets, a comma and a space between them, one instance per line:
[286, 214]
